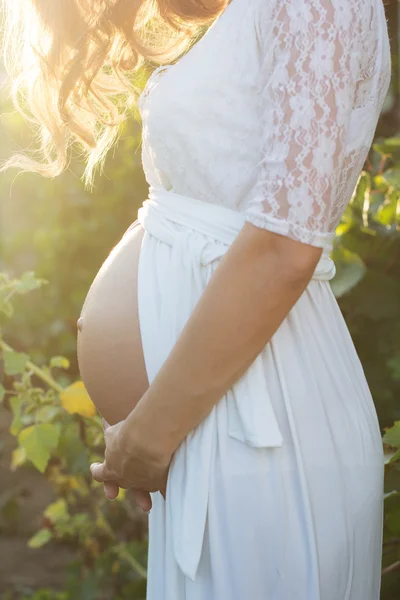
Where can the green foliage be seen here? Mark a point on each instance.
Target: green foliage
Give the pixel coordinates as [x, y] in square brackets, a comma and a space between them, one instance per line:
[62, 233]
[367, 256]
[60, 437]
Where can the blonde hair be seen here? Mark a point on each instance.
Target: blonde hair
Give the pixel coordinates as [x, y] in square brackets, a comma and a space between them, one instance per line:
[72, 64]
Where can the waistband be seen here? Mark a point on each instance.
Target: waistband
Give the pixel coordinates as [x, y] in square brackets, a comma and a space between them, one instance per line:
[216, 222]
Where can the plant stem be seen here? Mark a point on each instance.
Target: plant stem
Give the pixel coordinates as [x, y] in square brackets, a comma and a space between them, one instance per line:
[37, 371]
[125, 555]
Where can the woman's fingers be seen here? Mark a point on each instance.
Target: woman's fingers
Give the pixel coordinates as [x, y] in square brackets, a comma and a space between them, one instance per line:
[143, 500]
[98, 471]
[111, 489]
[104, 473]
[105, 424]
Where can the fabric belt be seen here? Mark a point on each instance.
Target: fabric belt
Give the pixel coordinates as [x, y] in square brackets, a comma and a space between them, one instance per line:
[205, 234]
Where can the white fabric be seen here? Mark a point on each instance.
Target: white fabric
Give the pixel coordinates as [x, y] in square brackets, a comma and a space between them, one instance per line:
[278, 493]
[207, 232]
[272, 112]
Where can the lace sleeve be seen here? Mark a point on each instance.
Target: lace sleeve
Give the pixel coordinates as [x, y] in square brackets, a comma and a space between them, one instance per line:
[309, 71]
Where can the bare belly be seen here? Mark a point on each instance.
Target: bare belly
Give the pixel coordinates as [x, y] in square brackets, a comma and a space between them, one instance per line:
[110, 353]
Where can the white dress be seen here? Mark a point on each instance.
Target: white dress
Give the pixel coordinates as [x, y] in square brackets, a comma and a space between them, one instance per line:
[278, 493]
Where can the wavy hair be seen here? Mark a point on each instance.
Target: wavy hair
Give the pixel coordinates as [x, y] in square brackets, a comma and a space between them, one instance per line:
[73, 63]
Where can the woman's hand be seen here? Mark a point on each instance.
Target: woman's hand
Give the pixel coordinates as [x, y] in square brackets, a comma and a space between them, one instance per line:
[111, 488]
[128, 465]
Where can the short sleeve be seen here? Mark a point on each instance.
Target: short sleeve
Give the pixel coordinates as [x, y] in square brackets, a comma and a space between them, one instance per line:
[308, 77]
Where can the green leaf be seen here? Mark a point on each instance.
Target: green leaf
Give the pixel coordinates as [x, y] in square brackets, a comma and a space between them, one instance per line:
[18, 458]
[40, 538]
[73, 451]
[6, 307]
[350, 269]
[57, 510]
[29, 282]
[343, 228]
[392, 457]
[14, 362]
[380, 183]
[392, 521]
[393, 177]
[392, 435]
[60, 362]
[386, 214]
[394, 365]
[16, 409]
[39, 441]
[2, 392]
[388, 146]
[47, 413]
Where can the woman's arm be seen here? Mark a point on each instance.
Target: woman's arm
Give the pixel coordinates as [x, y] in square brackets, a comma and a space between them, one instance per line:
[309, 71]
[258, 281]
[308, 77]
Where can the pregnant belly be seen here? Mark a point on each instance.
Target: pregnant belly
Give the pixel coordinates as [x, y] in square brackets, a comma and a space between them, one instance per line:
[110, 353]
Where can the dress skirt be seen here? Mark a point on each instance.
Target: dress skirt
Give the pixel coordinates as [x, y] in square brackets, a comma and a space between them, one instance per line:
[278, 493]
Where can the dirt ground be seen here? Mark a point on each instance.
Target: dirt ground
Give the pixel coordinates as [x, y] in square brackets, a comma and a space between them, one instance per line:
[23, 568]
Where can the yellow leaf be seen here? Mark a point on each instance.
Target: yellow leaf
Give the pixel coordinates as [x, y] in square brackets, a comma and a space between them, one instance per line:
[56, 511]
[18, 458]
[342, 228]
[75, 399]
[40, 538]
[74, 483]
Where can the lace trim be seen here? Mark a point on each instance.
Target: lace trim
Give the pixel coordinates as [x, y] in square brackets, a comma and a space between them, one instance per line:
[321, 239]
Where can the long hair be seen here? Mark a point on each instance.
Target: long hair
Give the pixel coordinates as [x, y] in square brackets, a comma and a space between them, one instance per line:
[72, 64]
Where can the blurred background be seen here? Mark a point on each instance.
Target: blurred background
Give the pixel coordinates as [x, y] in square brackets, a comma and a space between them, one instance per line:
[59, 538]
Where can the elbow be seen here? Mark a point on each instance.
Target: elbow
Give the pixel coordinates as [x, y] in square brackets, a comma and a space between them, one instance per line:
[295, 261]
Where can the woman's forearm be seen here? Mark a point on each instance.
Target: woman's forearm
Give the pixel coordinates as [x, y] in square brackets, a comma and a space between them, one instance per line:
[254, 287]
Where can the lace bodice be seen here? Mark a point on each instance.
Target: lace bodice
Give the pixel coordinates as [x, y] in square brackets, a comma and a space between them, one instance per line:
[272, 112]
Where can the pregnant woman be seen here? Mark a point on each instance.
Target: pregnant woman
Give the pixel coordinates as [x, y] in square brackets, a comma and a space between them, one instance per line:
[210, 340]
